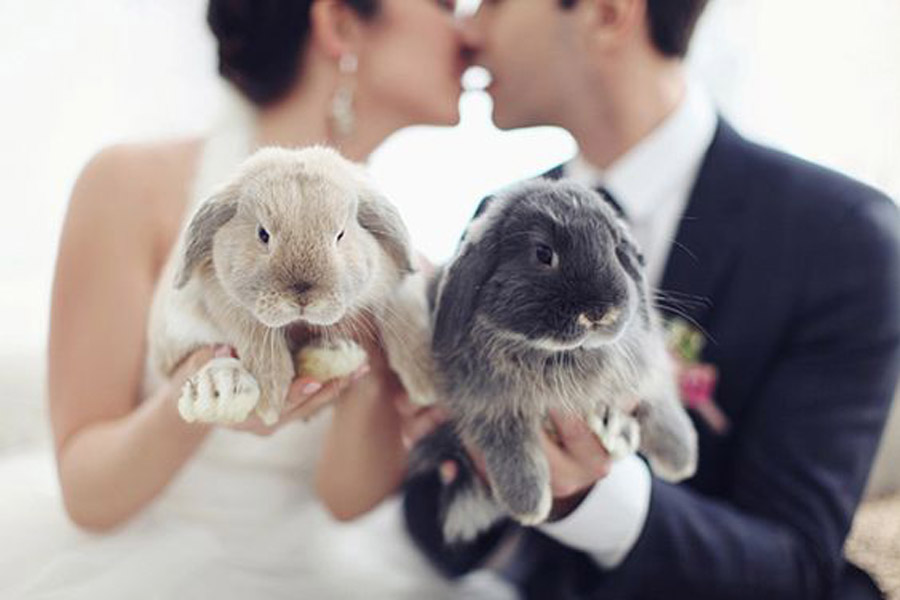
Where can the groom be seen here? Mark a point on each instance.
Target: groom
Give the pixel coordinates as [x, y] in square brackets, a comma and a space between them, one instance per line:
[790, 272]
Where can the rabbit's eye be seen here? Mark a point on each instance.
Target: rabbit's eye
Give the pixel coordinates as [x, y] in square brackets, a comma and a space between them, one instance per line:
[263, 235]
[340, 235]
[545, 254]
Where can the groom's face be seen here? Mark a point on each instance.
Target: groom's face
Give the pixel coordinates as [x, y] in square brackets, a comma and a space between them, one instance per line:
[528, 46]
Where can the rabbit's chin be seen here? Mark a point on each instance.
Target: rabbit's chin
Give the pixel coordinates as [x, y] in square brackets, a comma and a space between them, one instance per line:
[315, 317]
[276, 321]
[589, 340]
[320, 313]
[554, 345]
[321, 320]
[549, 344]
[599, 339]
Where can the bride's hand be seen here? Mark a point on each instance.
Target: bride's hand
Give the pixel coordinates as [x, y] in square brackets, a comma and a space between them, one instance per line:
[306, 397]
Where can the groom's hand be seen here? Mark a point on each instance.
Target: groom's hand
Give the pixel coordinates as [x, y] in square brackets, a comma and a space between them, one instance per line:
[576, 457]
[417, 422]
[577, 461]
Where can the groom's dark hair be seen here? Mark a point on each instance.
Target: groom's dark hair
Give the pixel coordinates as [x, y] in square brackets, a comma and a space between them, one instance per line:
[671, 23]
[260, 42]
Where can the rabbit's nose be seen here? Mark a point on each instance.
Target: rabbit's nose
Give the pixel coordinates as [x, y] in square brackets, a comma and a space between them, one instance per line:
[301, 287]
[599, 318]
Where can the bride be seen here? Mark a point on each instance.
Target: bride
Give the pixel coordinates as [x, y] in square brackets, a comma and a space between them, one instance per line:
[167, 509]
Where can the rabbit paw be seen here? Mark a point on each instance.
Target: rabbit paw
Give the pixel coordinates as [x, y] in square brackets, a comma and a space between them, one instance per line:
[223, 391]
[619, 433]
[523, 487]
[325, 361]
[469, 512]
[536, 507]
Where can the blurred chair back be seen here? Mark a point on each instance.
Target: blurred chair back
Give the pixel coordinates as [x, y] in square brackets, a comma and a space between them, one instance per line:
[885, 476]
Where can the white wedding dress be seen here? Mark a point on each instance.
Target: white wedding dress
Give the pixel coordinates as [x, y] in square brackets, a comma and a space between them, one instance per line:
[240, 521]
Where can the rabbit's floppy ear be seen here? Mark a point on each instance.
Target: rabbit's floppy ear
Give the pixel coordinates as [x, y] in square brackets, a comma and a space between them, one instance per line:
[462, 280]
[380, 218]
[630, 255]
[214, 213]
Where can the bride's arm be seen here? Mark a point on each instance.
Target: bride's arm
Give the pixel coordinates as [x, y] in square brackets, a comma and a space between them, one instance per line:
[363, 459]
[114, 452]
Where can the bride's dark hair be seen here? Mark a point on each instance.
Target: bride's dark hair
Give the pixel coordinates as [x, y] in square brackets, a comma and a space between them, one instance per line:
[260, 42]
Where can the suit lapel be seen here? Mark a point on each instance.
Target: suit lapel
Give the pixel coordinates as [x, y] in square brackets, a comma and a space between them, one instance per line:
[709, 233]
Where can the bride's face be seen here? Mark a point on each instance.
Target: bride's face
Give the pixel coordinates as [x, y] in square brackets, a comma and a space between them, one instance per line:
[410, 61]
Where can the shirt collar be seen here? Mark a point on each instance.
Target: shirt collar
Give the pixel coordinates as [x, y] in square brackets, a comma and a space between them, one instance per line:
[665, 161]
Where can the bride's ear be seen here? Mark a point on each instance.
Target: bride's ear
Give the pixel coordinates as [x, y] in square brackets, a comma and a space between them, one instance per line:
[335, 28]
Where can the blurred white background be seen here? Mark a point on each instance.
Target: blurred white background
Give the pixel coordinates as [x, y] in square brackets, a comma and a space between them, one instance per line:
[820, 78]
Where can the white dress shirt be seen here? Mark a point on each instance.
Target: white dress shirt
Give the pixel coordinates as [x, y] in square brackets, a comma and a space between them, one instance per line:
[652, 183]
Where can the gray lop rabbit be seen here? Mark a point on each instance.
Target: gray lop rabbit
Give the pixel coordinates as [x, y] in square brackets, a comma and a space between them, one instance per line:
[545, 305]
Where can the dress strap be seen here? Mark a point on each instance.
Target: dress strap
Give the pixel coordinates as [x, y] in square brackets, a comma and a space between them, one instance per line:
[230, 141]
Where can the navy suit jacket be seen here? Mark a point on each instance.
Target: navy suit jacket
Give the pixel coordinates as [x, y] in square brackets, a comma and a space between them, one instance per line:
[794, 273]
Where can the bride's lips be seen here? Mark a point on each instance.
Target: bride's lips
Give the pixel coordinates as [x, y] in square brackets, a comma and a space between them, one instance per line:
[459, 69]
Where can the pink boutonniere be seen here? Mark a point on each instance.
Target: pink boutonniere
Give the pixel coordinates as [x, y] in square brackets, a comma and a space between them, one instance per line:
[696, 380]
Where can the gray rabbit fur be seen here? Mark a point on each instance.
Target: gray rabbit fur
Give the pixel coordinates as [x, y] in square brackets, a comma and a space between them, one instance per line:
[545, 305]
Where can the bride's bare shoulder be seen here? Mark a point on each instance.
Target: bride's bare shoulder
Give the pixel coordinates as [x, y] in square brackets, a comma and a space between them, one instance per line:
[140, 190]
[141, 173]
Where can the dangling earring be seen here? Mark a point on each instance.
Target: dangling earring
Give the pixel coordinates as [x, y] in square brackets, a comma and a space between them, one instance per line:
[342, 113]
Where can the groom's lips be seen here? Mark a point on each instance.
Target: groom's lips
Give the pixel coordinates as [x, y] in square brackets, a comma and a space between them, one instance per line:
[491, 81]
[491, 87]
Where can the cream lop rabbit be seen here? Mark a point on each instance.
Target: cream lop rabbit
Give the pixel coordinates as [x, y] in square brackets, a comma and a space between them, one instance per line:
[296, 236]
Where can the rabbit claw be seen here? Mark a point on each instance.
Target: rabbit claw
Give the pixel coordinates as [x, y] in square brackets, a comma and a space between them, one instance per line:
[618, 432]
[223, 392]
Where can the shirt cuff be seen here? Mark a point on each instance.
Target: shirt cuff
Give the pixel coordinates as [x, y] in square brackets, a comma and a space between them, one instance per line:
[610, 519]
